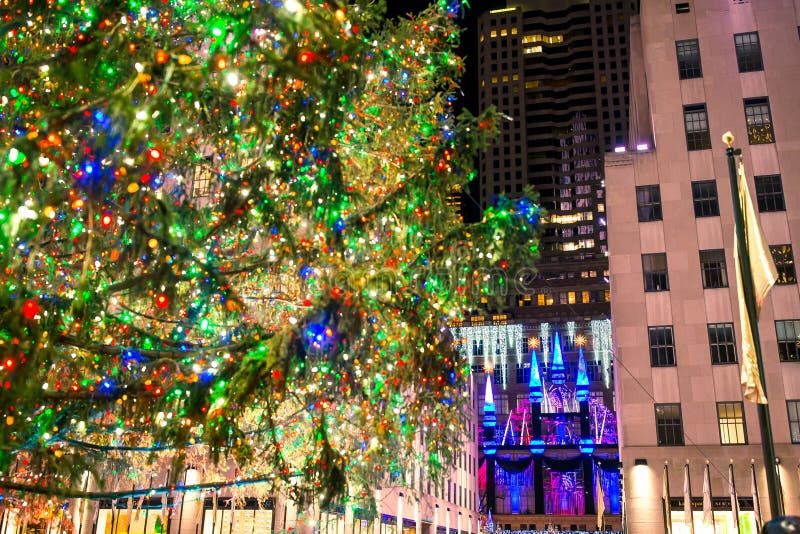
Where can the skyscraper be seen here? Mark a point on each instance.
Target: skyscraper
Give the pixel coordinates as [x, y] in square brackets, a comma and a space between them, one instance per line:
[557, 71]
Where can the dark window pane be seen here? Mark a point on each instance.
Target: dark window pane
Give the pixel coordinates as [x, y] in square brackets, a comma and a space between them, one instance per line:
[654, 269]
[793, 407]
[662, 346]
[748, 52]
[648, 203]
[705, 198]
[523, 373]
[695, 120]
[787, 333]
[759, 121]
[722, 343]
[713, 268]
[784, 262]
[688, 59]
[769, 193]
[669, 425]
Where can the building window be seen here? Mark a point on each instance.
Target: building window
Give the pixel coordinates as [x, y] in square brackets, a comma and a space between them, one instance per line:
[713, 268]
[793, 407]
[769, 193]
[523, 373]
[759, 121]
[669, 425]
[662, 346]
[682, 7]
[654, 269]
[648, 203]
[731, 423]
[704, 194]
[695, 118]
[784, 262]
[787, 333]
[748, 52]
[688, 59]
[722, 343]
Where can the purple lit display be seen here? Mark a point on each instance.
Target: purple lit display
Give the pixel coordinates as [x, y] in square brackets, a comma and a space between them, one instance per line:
[561, 430]
[604, 423]
[563, 493]
[553, 439]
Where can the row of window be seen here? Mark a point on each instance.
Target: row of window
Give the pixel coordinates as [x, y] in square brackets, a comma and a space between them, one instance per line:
[757, 116]
[721, 343]
[748, 55]
[730, 419]
[502, 407]
[554, 298]
[594, 372]
[769, 197]
[713, 268]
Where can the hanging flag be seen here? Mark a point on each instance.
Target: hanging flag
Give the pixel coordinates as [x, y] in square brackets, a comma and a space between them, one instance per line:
[687, 499]
[764, 274]
[140, 502]
[667, 504]
[734, 499]
[601, 499]
[164, 508]
[708, 511]
[756, 503]
[139, 505]
[130, 504]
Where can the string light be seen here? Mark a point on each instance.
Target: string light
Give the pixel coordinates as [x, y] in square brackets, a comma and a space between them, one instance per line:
[227, 225]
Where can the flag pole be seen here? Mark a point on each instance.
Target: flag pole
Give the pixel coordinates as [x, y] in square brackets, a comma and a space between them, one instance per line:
[767, 444]
[756, 498]
[687, 497]
[734, 497]
[667, 505]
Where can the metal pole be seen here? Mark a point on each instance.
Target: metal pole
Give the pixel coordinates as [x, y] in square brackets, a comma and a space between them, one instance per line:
[767, 445]
[707, 478]
[667, 505]
[688, 475]
[756, 497]
[735, 498]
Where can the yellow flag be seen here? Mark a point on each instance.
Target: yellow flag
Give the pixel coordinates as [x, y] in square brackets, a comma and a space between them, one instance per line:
[764, 275]
[601, 499]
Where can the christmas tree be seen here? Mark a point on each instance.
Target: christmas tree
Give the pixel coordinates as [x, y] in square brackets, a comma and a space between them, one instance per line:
[226, 240]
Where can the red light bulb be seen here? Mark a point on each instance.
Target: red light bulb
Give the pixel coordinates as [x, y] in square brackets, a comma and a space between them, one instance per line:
[162, 301]
[30, 309]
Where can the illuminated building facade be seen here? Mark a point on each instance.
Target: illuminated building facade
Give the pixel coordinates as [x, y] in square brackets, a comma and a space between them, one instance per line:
[699, 69]
[547, 427]
[557, 71]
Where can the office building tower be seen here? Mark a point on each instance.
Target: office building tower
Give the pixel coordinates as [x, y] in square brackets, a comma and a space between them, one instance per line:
[558, 73]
